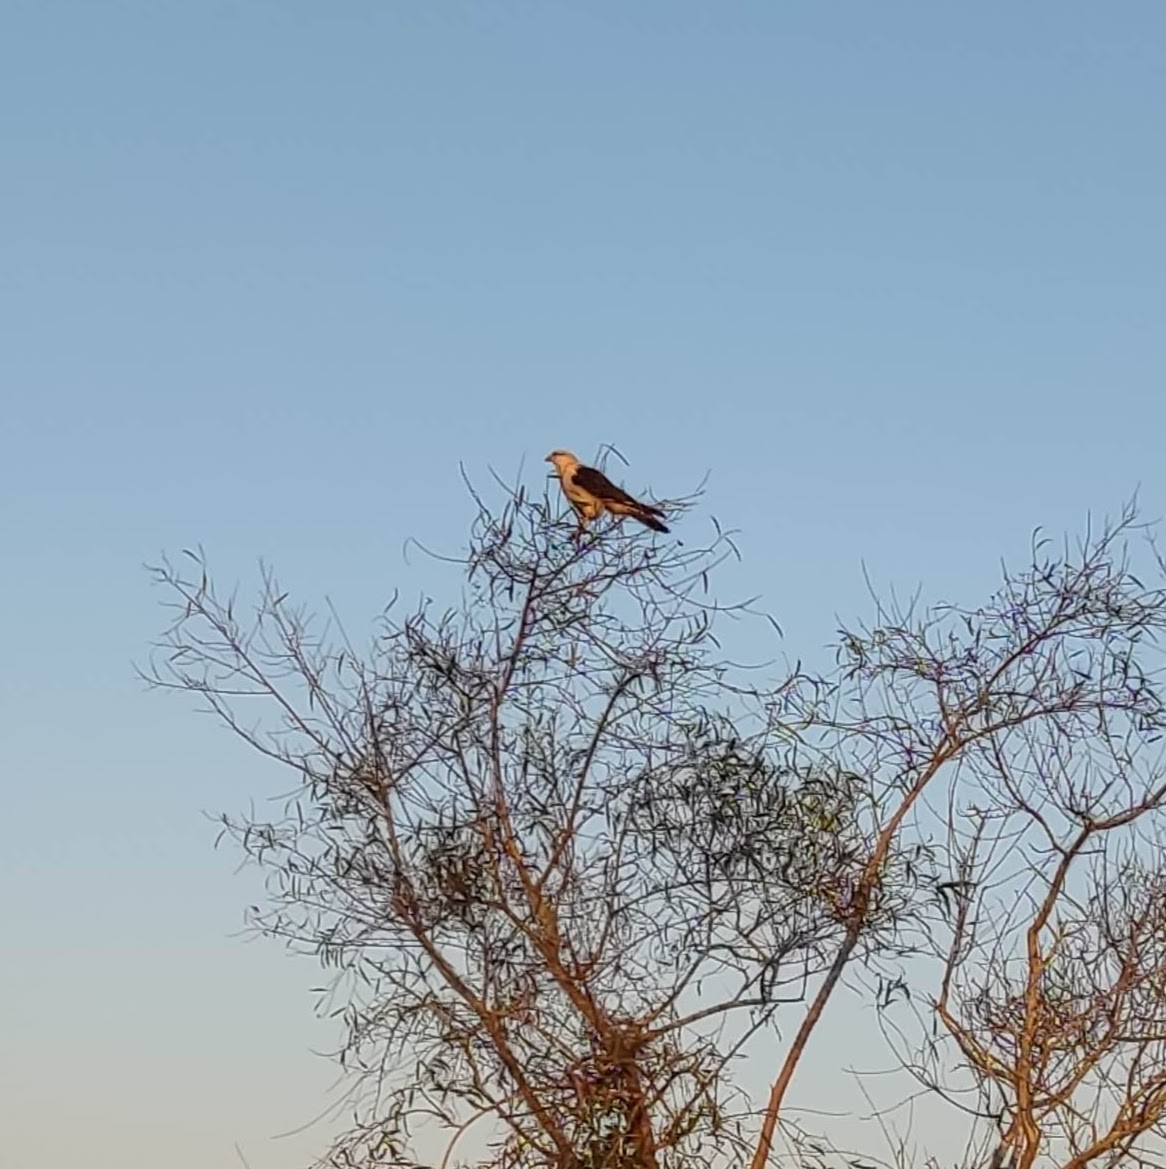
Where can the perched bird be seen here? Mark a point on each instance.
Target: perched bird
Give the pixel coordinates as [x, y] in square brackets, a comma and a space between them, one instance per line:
[591, 493]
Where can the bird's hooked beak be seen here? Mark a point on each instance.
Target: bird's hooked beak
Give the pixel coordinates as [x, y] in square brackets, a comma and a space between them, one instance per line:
[549, 459]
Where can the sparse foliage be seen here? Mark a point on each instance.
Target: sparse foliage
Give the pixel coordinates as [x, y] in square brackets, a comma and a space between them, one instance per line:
[1053, 943]
[568, 863]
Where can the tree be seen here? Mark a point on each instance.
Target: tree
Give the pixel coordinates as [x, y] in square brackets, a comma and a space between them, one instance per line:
[1052, 949]
[569, 863]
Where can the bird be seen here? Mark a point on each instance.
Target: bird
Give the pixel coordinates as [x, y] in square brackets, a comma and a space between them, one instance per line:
[591, 493]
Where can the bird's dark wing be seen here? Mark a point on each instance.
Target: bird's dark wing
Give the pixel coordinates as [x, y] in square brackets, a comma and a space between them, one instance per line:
[599, 485]
[614, 499]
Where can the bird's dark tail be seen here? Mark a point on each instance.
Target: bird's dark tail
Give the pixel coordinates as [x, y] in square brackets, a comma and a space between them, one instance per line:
[647, 516]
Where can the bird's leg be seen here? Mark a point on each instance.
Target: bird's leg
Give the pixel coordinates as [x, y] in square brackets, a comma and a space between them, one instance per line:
[580, 523]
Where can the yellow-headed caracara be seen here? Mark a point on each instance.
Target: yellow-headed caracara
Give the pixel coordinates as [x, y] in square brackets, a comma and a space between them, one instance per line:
[591, 493]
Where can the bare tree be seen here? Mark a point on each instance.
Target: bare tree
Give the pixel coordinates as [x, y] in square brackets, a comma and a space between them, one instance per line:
[1053, 959]
[1059, 1006]
[1050, 936]
[569, 862]
[1051, 671]
[565, 863]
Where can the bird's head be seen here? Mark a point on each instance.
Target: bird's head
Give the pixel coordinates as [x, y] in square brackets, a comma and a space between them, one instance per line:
[562, 460]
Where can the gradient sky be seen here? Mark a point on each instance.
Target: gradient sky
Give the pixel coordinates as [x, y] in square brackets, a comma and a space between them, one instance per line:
[894, 274]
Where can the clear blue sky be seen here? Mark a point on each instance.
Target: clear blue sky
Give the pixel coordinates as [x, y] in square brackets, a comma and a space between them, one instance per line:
[894, 273]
